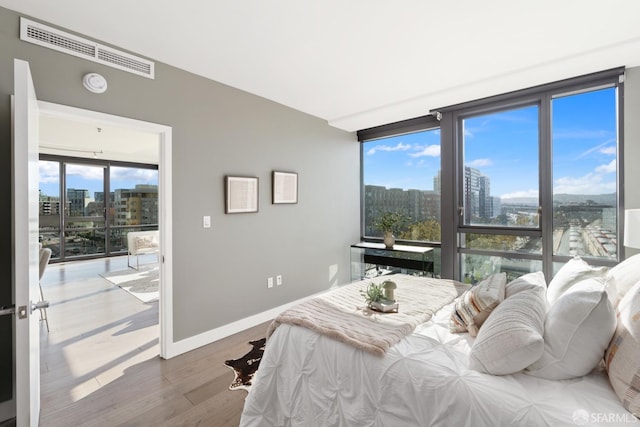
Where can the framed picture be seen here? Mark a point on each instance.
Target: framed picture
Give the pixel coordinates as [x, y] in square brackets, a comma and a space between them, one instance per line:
[285, 187]
[241, 194]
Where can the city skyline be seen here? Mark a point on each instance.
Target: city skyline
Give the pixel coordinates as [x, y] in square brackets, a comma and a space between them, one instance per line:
[90, 177]
[504, 147]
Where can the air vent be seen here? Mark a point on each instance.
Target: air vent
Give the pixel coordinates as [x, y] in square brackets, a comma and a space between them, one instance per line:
[43, 35]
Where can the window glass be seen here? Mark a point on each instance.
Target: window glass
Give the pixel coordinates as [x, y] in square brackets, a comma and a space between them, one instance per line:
[401, 174]
[84, 225]
[584, 132]
[81, 219]
[49, 217]
[134, 198]
[478, 267]
[501, 168]
[502, 242]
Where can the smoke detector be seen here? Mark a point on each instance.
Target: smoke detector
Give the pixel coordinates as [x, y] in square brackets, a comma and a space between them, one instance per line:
[94, 82]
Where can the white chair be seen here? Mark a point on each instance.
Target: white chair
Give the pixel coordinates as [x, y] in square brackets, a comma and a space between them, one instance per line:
[45, 255]
[142, 242]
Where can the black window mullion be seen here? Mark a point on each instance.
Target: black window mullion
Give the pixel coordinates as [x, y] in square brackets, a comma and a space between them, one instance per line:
[546, 184]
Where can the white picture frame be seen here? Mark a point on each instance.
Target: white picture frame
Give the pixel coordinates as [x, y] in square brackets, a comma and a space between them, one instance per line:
[241, 194]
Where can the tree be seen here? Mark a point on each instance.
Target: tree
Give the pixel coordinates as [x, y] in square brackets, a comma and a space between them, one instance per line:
[428, 230]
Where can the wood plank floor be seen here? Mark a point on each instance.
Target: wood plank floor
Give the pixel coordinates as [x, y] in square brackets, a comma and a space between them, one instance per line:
[100, 364]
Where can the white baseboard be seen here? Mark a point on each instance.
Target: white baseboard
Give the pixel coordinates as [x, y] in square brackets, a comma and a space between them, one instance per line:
[191, 343]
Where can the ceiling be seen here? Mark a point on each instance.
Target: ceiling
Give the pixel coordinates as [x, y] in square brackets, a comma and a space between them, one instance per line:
[363, 63]
[75, 138]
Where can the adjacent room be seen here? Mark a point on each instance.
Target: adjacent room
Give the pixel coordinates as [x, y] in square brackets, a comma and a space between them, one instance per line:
[320, 213]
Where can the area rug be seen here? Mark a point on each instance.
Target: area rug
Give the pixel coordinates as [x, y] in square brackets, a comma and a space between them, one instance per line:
[245, 368]
[142, 283]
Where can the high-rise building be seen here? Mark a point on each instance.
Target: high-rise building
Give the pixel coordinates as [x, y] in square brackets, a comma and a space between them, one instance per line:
[477, 194]
[136, 206]
[418, 205]
[77, 201]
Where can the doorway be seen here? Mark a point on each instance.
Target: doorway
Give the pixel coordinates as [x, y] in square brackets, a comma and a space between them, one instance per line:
[163, 135]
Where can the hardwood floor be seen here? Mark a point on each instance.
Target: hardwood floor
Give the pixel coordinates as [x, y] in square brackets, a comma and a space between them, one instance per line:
[100, 364]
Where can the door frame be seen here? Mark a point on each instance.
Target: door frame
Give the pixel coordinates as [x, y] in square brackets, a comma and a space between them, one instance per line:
[165, 219]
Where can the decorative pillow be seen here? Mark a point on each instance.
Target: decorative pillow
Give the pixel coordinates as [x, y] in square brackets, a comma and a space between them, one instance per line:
[475, 305]
[145, 242]
[623, 355]
[577, 331]
[511, 338]
[525, 282]
[626, 274]
[569, 274]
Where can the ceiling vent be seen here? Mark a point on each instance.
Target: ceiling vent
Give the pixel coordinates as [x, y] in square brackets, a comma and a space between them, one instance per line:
[43, 35]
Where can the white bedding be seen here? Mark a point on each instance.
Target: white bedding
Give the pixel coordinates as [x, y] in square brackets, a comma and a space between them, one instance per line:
[306, 380]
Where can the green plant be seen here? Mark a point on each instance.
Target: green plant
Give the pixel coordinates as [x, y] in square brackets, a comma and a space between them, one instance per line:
[390, 221]
[373, 293]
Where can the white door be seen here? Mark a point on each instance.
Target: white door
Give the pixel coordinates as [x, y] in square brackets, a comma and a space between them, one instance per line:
[25, 245]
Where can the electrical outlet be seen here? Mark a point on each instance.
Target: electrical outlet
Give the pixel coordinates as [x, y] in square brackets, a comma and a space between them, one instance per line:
[206, 221]
[269, 282]
[279, 280]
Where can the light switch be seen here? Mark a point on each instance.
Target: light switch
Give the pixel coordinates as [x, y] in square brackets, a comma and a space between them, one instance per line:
[206, 221]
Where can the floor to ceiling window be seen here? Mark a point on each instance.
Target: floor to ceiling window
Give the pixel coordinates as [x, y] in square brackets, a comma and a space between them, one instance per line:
[537, 178]
[499, 182]
[515, 183]
[401, 175]
[88, 207]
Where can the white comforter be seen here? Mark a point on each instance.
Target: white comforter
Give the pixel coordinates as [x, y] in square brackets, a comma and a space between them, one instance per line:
[306, 379]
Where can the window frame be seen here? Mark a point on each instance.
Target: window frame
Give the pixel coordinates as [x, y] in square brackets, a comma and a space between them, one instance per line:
[63, 161]
[417, 124]
[453, 167]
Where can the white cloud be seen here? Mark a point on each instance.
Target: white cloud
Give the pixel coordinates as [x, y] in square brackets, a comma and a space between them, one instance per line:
[134, 174]
[608, 168]
[591, 183]
[478, 163]
[518, 194]
[398, 147]
[90, 173]
[428, 151]
[49, 172]
[603, 148]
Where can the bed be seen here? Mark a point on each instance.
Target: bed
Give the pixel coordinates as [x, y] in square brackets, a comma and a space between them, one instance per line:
[428, 378]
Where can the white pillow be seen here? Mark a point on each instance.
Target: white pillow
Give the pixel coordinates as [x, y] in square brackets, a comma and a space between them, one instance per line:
[569, 274]
[623, 355]
[626, 274]
[474, 306]
[511, 338]
[577, 331]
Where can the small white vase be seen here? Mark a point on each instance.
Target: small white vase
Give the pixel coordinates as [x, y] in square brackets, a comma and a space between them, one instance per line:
[389, 239]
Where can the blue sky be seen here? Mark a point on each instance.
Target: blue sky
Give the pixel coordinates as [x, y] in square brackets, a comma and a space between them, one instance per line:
[91, 178]
[504, 147]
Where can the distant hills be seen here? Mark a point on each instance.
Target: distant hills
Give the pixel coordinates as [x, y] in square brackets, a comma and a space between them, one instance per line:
[566, 199]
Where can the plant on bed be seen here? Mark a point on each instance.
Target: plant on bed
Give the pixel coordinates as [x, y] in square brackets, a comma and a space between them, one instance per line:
[373, 293]
[380, 297]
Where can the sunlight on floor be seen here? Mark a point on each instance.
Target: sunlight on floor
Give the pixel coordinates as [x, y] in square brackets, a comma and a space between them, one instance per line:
[98, 331]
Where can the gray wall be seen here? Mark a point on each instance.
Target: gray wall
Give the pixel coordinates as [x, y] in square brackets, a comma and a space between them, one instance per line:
[217, 130]
[632, 142]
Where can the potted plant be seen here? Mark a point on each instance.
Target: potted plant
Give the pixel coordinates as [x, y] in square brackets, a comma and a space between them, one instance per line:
[389, 223]
[380, 297]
